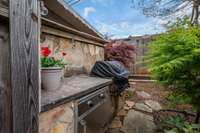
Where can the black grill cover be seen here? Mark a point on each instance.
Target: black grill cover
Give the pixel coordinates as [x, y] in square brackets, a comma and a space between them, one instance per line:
[112, 69]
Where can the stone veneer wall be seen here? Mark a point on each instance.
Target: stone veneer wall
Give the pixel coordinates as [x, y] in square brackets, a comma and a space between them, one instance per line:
[57, 120]
[80, 55]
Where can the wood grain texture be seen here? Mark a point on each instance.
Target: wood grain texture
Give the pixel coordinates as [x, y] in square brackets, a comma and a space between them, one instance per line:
[24, 41]
[5, 88]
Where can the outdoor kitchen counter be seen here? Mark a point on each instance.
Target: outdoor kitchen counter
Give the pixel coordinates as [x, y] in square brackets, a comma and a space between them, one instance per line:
[71, 89]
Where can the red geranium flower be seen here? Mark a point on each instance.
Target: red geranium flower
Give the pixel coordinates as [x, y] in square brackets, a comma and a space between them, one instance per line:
[46, 51]
[64, 53]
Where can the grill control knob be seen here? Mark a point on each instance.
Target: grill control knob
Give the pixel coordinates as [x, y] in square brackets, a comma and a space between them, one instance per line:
[102, 96]
[90, 103]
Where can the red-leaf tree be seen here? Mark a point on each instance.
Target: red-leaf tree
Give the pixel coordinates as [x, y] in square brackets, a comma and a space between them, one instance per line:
[120, 51]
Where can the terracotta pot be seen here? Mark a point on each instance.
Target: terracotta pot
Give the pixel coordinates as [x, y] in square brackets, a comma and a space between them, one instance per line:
[51, 78]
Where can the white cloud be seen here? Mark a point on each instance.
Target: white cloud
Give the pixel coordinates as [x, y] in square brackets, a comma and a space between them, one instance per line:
[88, 11]
[126, 28]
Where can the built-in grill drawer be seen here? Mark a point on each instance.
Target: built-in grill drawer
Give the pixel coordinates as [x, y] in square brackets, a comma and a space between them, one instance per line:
[89, 103]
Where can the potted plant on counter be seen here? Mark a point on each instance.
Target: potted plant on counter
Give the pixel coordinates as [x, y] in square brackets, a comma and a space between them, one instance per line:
[52, 70]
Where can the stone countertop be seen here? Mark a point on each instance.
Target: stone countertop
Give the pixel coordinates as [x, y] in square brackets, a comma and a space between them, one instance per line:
[72, 88]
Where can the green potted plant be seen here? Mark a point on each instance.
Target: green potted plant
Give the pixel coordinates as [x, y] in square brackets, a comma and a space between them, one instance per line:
[52, 70]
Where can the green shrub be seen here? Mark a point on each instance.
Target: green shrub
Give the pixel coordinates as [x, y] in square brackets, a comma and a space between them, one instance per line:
[175, 60]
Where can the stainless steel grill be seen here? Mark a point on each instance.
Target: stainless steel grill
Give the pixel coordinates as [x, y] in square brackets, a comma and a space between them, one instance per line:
[95, 111]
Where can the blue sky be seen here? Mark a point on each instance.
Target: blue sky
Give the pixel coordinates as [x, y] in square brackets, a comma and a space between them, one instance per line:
[117, 18]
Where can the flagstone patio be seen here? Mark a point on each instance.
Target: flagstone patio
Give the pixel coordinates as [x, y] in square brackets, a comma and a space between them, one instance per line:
[139, 103]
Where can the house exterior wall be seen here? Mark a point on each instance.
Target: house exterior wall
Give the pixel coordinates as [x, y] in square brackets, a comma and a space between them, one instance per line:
[80, 56]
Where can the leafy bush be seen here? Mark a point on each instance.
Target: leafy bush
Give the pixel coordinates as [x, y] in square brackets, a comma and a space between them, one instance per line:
[120, 51]
[175, 60]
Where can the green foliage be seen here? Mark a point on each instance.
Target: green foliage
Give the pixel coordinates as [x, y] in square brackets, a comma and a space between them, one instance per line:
[175, 60]
[51, 62]
[179, 125]
[177, 99]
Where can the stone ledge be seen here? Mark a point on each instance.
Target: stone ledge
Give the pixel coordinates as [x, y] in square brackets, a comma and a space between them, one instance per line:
[73, 88]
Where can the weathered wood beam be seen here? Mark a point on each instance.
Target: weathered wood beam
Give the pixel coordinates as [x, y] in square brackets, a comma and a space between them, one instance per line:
[62, 27]
[64, 34]
[5, 86]
[24, 45]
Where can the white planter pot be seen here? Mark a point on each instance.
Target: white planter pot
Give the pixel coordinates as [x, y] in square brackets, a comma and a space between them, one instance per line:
[51, 78]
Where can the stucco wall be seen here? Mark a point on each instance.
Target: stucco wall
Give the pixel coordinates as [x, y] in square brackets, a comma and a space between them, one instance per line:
[80, 56]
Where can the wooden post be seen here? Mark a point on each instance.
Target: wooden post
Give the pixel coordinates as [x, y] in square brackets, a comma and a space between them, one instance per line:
[24, 44]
